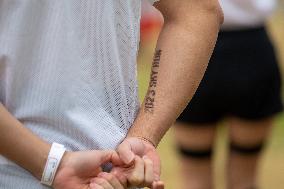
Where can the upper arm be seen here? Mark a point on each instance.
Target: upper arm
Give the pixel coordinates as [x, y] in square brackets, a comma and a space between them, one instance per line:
[180, 10]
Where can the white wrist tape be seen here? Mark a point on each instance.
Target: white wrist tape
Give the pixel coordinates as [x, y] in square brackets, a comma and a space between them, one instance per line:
[54, 157]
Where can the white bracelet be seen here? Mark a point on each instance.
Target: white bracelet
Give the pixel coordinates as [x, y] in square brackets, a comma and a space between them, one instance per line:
[54, 157]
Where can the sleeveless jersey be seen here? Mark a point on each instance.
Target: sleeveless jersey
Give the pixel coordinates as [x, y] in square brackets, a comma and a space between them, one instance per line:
[68, 73]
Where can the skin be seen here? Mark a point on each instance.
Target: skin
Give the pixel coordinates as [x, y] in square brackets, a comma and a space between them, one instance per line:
[196, 172]
[186, 42]
[79, 169]
[241, 169]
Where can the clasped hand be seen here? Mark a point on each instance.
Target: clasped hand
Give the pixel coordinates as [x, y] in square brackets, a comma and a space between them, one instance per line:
[135, 164]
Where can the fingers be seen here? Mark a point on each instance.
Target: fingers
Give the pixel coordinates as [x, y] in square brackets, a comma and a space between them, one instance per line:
[153, 155]
[98, 183]
[119, 173]
[157, 171]
[106, 181]
[140, 174]
[93, 185]
[149, 172]
[113, 180]
[105, 156]
[136, 176]
[158, 185]
[115, 160]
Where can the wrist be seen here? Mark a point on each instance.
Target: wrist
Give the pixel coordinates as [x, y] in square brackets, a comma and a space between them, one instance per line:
[149, 127]
[147, 137]
[38, 163]
[64, 166]
[147, 140]
[53, 161]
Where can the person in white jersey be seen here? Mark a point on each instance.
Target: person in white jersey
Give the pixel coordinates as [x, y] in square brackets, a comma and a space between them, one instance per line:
[68, 82]
[242, 86]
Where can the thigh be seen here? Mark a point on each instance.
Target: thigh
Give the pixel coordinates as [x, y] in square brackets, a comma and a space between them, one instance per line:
[246, 132]
[195, 136]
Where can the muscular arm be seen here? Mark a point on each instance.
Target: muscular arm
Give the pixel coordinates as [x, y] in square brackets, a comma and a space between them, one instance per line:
[183, 50]
[20, 145]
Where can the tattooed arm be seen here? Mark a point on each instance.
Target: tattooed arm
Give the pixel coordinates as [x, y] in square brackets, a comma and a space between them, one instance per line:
[183, 50]
[182, 54]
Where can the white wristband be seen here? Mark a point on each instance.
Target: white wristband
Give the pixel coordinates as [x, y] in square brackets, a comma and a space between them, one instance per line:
[54, 157]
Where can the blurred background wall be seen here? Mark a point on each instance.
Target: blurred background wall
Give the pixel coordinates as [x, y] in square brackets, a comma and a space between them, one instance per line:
[272, 166]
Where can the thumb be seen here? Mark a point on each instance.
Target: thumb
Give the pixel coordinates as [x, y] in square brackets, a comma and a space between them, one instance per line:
[129, 148]
[125, 152]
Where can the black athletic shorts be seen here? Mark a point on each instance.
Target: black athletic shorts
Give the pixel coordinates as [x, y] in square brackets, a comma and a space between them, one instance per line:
[242, 80]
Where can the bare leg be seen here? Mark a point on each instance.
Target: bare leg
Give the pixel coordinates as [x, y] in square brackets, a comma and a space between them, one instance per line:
[195, 143]
[247, 139]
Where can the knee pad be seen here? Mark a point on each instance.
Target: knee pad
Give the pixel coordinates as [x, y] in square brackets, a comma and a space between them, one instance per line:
[195, 153]
[247, 150]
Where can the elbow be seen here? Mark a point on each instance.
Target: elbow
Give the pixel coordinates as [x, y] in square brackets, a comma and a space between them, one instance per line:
[211, 10]
[215, 10]
[187, 11]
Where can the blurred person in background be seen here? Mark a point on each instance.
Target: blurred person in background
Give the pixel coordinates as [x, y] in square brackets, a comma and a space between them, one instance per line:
[242, 87]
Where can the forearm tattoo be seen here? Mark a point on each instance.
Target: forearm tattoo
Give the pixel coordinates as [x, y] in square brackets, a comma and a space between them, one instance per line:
[150, 97]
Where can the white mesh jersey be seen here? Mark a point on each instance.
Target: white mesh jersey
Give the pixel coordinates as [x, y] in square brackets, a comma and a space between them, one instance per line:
[68, 73]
